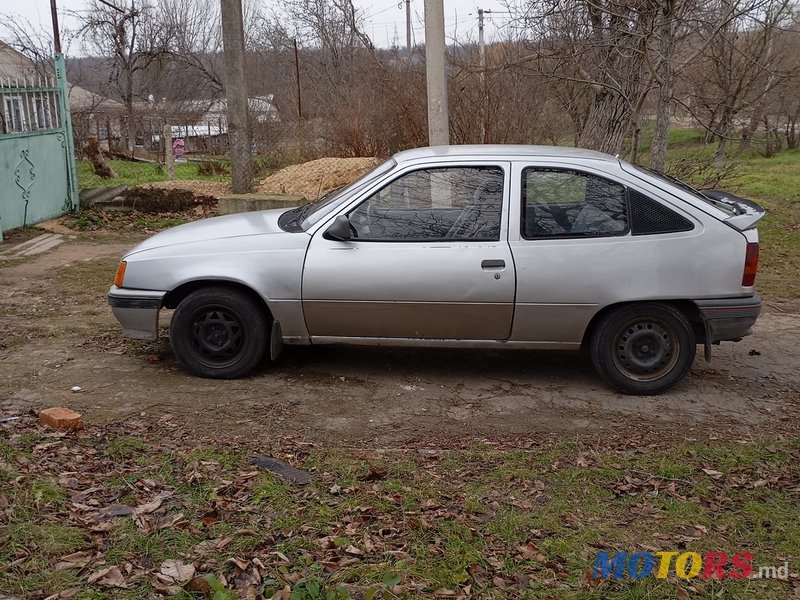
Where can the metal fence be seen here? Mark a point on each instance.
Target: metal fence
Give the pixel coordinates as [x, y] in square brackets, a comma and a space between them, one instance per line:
[37, 162]
[28, 105]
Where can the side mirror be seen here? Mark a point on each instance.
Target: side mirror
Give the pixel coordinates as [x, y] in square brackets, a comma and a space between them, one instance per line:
[339, 229]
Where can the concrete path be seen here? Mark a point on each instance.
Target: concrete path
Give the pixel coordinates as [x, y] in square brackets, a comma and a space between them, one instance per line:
[37, 245]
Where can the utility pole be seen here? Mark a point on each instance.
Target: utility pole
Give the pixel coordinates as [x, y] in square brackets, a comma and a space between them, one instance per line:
[408, 24]
[63, 110]
[297, 79]
[482, 53]
[239, 140]
[436, 72]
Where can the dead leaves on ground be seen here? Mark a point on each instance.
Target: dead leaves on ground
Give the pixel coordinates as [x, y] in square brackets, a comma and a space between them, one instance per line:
[151, 481]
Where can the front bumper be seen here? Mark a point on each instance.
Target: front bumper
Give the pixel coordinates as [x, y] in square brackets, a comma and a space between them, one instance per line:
[137, 311]
[729, 318]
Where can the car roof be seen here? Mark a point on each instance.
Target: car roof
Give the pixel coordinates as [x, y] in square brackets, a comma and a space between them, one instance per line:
[497, 150]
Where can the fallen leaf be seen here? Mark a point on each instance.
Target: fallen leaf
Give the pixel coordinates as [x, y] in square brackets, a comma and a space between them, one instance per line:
[177, 570]
[117, 510]
[528, 551]
[165, 584]
[199, 585]
[108, 577]
[712, 473]
[374, 474]
[326, 543]
[76, 560]
[153, 505]
[210, 517]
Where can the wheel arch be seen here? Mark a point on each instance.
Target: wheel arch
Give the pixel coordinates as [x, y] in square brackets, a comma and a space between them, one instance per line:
[177, 295]
[686, 307]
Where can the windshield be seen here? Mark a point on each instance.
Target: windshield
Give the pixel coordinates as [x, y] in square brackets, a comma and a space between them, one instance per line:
[302, 218]
[716, 203]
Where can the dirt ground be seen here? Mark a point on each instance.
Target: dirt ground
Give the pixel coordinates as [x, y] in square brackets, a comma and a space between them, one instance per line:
[56, 332]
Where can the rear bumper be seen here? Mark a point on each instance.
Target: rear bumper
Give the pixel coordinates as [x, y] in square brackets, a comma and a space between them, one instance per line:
[729, 318]
[137, 311]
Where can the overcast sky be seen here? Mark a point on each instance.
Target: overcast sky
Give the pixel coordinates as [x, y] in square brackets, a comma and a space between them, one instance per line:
[384, 19]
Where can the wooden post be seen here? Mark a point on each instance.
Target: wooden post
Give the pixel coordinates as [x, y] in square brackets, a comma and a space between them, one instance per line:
[169, 157]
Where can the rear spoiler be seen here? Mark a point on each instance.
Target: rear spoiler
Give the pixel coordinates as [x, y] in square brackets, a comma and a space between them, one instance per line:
[746, 213]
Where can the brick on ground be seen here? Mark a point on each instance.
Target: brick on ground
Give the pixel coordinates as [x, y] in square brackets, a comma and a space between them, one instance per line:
[59, 417]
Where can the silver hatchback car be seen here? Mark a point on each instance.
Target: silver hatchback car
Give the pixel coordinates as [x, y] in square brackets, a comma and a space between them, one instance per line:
[462, 246]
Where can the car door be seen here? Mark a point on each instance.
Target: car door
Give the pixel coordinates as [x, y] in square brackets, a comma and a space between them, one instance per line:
[428, 259]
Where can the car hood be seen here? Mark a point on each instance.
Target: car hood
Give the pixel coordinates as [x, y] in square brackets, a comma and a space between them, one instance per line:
[228, 226]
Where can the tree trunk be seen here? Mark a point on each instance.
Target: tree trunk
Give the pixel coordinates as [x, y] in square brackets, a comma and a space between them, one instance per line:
[726, 123]
[637, 130]
[607, 123]
[666, 89]
[749, 131]
[658, 148]
[636, 122]
[95, 155]
[791, 133]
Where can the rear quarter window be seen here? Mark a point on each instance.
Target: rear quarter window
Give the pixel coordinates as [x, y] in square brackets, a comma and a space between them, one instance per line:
[649, 217]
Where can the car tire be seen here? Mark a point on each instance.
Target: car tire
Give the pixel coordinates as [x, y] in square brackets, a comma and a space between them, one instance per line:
[643, 349]
[219, 333]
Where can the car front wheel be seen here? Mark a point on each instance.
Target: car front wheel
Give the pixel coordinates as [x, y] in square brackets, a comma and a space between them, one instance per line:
[219, 333]
[643, 349]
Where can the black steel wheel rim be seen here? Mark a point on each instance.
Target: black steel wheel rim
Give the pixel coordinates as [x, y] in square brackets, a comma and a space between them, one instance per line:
[217, 336]
[646, 349]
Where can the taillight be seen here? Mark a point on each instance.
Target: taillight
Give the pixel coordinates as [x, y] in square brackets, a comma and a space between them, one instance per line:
[750, 264]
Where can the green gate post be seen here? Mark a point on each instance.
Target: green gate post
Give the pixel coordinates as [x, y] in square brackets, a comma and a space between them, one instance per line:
[66, 123]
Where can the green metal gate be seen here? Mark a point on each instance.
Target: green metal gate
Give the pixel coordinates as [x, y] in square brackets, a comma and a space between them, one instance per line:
[37, 161]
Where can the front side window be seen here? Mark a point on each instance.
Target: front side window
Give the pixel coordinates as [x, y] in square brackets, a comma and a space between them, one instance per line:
[568, 203]
[448, 203]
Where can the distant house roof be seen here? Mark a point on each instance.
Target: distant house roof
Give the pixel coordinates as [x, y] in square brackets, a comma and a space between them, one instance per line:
[262, 108]
[82, 100]
[212, 118]
[15, 64]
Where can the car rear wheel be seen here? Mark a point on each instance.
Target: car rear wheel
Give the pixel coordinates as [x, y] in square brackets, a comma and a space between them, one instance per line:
[219, 333]
[643, 349]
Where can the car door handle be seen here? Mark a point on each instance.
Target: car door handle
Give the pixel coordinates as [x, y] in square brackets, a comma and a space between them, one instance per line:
[488, 265]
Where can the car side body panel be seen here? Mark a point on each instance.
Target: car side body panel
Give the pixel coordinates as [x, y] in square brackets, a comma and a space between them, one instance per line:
[270, 264]
[563, 283]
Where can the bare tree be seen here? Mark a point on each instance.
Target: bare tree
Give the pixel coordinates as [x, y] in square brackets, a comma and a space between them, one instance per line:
[196, 40]
[130, 40]
[599, 46]
[733, 75]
